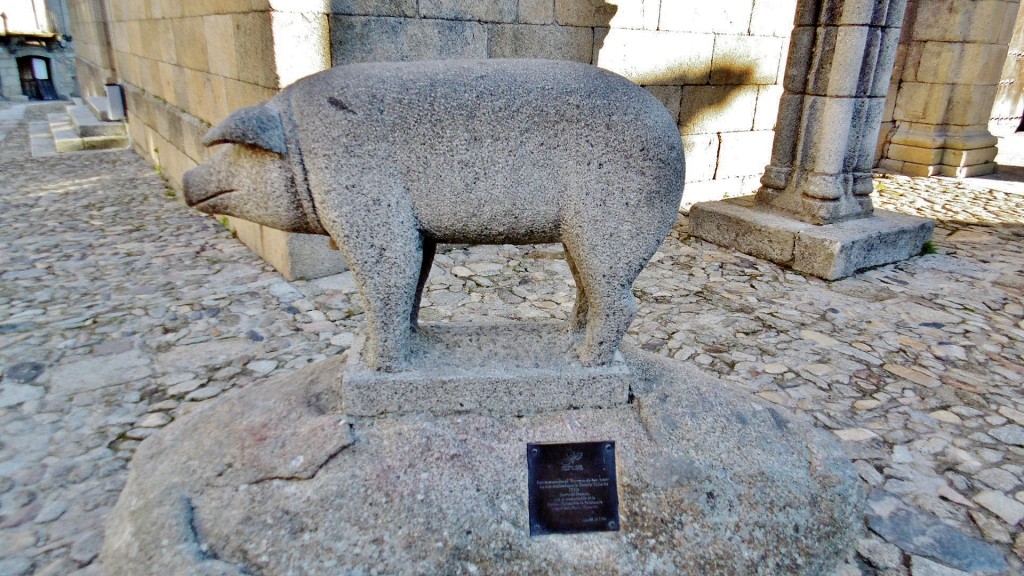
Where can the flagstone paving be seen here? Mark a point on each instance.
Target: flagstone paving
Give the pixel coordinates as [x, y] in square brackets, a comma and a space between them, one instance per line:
[121, 309]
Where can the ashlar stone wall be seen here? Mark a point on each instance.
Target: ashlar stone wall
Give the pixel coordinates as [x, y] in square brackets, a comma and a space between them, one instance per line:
[95, 57]
[186, 64]
[716, 65]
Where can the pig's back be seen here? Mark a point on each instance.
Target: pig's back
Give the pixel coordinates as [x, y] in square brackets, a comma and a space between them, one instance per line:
[476, 143]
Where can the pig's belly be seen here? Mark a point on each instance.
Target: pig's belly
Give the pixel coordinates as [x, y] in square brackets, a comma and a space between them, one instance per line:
[488, 216]
[491, 193]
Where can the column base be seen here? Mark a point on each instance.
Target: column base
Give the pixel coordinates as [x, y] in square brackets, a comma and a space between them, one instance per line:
[829, 251]
[958, 152]
[914, 169]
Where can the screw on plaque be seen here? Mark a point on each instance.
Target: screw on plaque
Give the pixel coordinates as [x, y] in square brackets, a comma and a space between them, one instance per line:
[608, 447]
[612, 525]
[535, 450]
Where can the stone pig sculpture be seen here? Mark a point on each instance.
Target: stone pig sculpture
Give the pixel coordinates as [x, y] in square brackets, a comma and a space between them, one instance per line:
[391, 159]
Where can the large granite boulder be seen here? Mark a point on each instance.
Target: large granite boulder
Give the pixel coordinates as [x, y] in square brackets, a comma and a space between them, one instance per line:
[273, 479]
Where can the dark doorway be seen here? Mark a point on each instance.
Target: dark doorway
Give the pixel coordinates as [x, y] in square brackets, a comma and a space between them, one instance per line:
[36, 78]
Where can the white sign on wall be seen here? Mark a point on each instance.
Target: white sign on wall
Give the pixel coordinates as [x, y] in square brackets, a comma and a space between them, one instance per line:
[40, 70]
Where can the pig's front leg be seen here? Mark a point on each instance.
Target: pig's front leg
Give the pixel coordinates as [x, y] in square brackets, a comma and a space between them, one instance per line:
[377, 234]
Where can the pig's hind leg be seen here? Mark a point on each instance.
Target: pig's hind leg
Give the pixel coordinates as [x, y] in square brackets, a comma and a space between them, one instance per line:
[610, 306]
[609, 247]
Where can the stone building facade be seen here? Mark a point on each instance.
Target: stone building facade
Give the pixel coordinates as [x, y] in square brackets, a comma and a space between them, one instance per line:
[717, 69]
[37, 57]
[944, 85]
[720, 67]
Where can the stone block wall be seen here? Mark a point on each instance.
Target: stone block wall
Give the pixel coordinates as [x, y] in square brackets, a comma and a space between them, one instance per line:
[187, 65]
[95, 58]
[716, 66]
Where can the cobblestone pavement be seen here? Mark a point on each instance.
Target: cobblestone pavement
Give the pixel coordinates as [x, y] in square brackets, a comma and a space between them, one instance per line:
[120, 310]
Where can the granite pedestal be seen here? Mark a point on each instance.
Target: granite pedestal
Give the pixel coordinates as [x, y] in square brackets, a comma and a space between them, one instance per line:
[274, 479]
[513, 368]
[829, 251]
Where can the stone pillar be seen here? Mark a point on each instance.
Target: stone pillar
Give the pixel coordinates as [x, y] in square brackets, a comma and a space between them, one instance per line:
[954, 53]
[814, 211]
[1007, 110]
[840, 60]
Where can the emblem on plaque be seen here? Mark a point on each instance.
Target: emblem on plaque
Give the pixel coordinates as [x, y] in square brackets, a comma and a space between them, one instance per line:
[572, 488]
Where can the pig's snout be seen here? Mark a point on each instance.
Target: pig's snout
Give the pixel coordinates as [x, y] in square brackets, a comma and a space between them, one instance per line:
[200, 184]
[190, 185]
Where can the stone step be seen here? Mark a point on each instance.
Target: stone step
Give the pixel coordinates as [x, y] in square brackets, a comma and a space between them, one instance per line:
[67, 136]
[89, 125]
[58, 118]
[105, 142]
[100, 107]
[41, 140]
[67, 140]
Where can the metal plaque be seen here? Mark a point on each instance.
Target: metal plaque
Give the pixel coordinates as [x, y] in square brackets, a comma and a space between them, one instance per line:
[572, 488]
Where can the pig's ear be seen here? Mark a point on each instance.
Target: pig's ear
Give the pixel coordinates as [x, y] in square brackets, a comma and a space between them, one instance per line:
[257, 126]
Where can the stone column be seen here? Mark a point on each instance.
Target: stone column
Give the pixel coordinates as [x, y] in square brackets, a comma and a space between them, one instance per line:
[1006, 110]
[840, 59]
[954, 53]
[814, 211]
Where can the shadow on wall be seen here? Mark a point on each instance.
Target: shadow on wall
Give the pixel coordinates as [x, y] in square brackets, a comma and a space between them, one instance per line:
[706, 97]
[708, 109]
[603, 13]
[724, 153]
